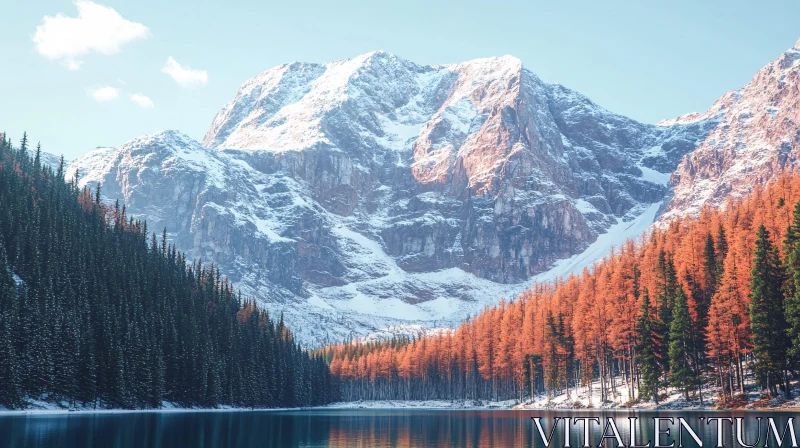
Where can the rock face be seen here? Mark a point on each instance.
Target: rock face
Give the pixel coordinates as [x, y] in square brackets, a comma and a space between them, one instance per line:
[757, 139]
[483, 152]
[373, 191]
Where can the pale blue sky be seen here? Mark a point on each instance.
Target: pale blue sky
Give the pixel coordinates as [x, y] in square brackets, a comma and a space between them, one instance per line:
[645, 59]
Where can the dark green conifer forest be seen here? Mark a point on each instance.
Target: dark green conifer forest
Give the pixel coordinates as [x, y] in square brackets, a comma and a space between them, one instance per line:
[96, 311]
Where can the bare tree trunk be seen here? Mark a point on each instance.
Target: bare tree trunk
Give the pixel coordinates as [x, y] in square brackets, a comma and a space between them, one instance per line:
[602, 379]
[591, 385]
[788, 390]
[631, 370]
[731, 372]
[531, 376]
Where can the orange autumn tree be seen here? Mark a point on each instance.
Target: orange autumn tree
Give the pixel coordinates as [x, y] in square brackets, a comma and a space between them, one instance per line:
[580, 332]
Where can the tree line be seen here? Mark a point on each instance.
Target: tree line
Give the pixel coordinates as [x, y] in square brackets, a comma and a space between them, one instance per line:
[705, 299]
[97, 312]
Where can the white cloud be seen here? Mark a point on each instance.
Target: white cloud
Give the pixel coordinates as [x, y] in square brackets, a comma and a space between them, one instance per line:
[98, 29]
[142, 101]
[104, 94]
[184, 75]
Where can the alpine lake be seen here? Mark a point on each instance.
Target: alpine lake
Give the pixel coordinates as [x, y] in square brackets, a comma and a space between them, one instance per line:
[378, 428]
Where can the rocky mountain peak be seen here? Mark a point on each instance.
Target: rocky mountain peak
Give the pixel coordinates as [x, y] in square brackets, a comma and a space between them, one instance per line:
[489, 67]
[166, 140]
[756, 140]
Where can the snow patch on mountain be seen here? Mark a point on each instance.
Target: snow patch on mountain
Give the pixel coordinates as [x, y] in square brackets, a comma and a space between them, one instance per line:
[654, 176]
[615, 236]
[93, 165]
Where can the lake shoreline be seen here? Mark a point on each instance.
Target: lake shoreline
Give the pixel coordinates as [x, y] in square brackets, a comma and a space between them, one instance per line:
[19, 412]
[54, 410]
[673, 402]
[466, 405]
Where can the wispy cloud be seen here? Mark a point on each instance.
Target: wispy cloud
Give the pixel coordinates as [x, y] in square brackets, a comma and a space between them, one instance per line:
[98, 29]
[184, 75]
[104, 94]
[142, 101]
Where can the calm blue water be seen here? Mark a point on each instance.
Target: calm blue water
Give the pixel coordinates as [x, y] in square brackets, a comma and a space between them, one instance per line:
[335, 428]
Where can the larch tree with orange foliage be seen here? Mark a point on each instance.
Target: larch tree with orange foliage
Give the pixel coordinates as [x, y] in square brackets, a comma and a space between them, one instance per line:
[608, 328]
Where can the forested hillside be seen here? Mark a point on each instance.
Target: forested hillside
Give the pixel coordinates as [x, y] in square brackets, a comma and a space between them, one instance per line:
[97, 312]
[704, 300]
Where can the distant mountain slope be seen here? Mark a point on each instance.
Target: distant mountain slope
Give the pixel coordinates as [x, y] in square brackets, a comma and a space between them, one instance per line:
[757, 139]
[373, 191]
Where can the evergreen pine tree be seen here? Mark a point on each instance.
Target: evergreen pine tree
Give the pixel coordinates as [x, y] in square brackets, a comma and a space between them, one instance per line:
[10, 387]
[646, 355]
[667, 282]
[767, 318]
[721, 244]
[792, 301]
[710, 272]
[681, 375]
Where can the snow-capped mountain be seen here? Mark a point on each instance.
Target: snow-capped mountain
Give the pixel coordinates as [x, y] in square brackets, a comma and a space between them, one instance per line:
[372, 192]
[757, 139]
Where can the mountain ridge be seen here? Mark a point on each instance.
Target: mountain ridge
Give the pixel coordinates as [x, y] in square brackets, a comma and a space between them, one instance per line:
[757, 140]
[373, 191]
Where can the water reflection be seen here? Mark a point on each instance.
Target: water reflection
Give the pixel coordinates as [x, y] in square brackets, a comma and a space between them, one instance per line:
[355, 428]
